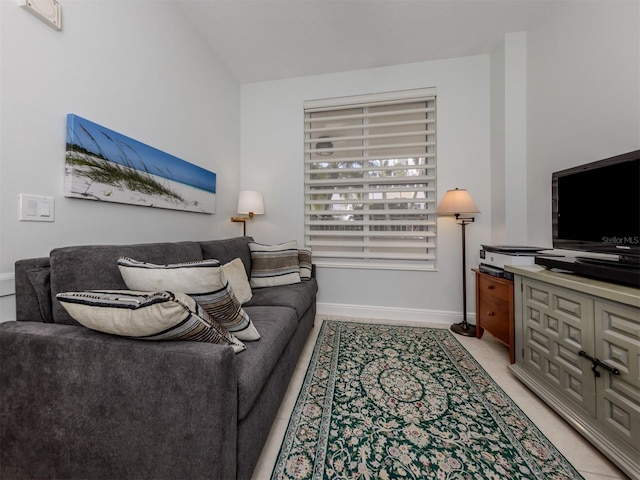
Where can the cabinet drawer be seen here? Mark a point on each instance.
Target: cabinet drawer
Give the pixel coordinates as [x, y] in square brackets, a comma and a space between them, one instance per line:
[494, 309]
[492, 287]
[493, 315]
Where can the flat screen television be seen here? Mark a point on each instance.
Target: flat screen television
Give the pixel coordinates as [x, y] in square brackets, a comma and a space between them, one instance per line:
[596, 208]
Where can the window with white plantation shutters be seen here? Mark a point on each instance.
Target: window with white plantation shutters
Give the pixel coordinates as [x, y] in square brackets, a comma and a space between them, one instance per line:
[370, 180]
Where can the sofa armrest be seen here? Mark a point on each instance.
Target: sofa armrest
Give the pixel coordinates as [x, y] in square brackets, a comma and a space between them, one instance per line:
[75, 403]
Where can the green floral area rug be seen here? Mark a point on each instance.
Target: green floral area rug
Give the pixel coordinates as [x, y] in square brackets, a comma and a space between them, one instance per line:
[383, 402]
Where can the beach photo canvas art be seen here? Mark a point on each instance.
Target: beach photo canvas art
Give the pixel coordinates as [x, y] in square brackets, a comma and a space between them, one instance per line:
[107, 166]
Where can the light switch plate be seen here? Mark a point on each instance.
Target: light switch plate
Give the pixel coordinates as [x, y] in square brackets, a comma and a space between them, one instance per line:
[35, 208]
[49, 11]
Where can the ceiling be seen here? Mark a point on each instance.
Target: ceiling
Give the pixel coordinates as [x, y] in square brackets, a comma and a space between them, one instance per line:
[264, 40]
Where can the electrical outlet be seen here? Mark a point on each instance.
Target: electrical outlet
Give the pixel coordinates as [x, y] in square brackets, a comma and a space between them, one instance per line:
[34, 208]
[49, 11]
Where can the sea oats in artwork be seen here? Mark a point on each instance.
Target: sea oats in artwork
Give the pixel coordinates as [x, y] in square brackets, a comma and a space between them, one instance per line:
[107, 166]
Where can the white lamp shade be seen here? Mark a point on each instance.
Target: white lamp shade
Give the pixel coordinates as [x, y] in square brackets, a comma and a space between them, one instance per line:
[457, 202]
[251, 202]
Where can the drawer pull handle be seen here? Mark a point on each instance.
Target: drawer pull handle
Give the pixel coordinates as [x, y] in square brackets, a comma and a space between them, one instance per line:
[491, 287]
[598, 363]
[491, 314]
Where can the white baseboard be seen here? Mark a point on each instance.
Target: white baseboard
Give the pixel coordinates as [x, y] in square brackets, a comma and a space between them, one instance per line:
[7, 284]
[393, 313]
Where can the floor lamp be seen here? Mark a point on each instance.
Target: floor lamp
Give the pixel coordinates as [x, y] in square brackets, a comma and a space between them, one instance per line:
[458, 202]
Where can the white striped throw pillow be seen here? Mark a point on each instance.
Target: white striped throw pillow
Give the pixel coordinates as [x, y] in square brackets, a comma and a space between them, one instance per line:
[273, 265]
[146, 316]
[305, 262]
[203, 280]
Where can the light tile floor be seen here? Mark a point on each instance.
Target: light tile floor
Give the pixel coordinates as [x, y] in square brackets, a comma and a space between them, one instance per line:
[494, 358]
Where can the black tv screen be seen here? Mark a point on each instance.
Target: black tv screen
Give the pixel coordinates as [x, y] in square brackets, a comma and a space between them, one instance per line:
[596, 206]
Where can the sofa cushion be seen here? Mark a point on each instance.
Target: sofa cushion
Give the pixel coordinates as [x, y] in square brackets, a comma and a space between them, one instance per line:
[203, 280]
[236, 275]
[95, 267]
[298, 296]
[146, 316]
[273, 265]
[227, 249]
[254, 366]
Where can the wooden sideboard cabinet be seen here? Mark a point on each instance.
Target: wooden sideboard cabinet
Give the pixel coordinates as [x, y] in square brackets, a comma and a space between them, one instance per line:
[578, 348]
[494, 309]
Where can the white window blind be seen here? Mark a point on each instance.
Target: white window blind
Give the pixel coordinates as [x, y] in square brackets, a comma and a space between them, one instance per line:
[370, 180]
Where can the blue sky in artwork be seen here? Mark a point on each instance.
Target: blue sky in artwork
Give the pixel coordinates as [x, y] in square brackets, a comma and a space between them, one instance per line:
[124, 150]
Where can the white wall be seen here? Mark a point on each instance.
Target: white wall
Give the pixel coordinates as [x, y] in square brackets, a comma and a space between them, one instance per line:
[135, 67]
[498, 159]
[509, 141]
[272, 162]
[583, 94]
[515, 138]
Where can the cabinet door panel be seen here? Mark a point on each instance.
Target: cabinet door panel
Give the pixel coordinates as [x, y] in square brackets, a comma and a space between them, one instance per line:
[618, 346]
[557, 327]
[557, 316]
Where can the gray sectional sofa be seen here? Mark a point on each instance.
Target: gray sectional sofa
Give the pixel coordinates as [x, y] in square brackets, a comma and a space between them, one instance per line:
[79, 404]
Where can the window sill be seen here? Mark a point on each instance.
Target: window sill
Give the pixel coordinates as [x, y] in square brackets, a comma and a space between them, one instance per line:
[414, 266]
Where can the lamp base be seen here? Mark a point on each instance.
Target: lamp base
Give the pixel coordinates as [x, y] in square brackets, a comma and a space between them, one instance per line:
[463, 328]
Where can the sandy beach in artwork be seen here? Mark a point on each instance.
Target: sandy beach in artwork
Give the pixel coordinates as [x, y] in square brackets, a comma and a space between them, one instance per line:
[79, 184]
[106, 166]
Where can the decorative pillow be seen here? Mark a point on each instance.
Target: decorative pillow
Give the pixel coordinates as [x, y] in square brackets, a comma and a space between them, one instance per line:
[304, 260]
[273, 265]
[236, 275]
[146, 316]
[203, 280]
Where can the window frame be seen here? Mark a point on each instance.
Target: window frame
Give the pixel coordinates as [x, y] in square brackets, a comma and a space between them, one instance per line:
[387, 165]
